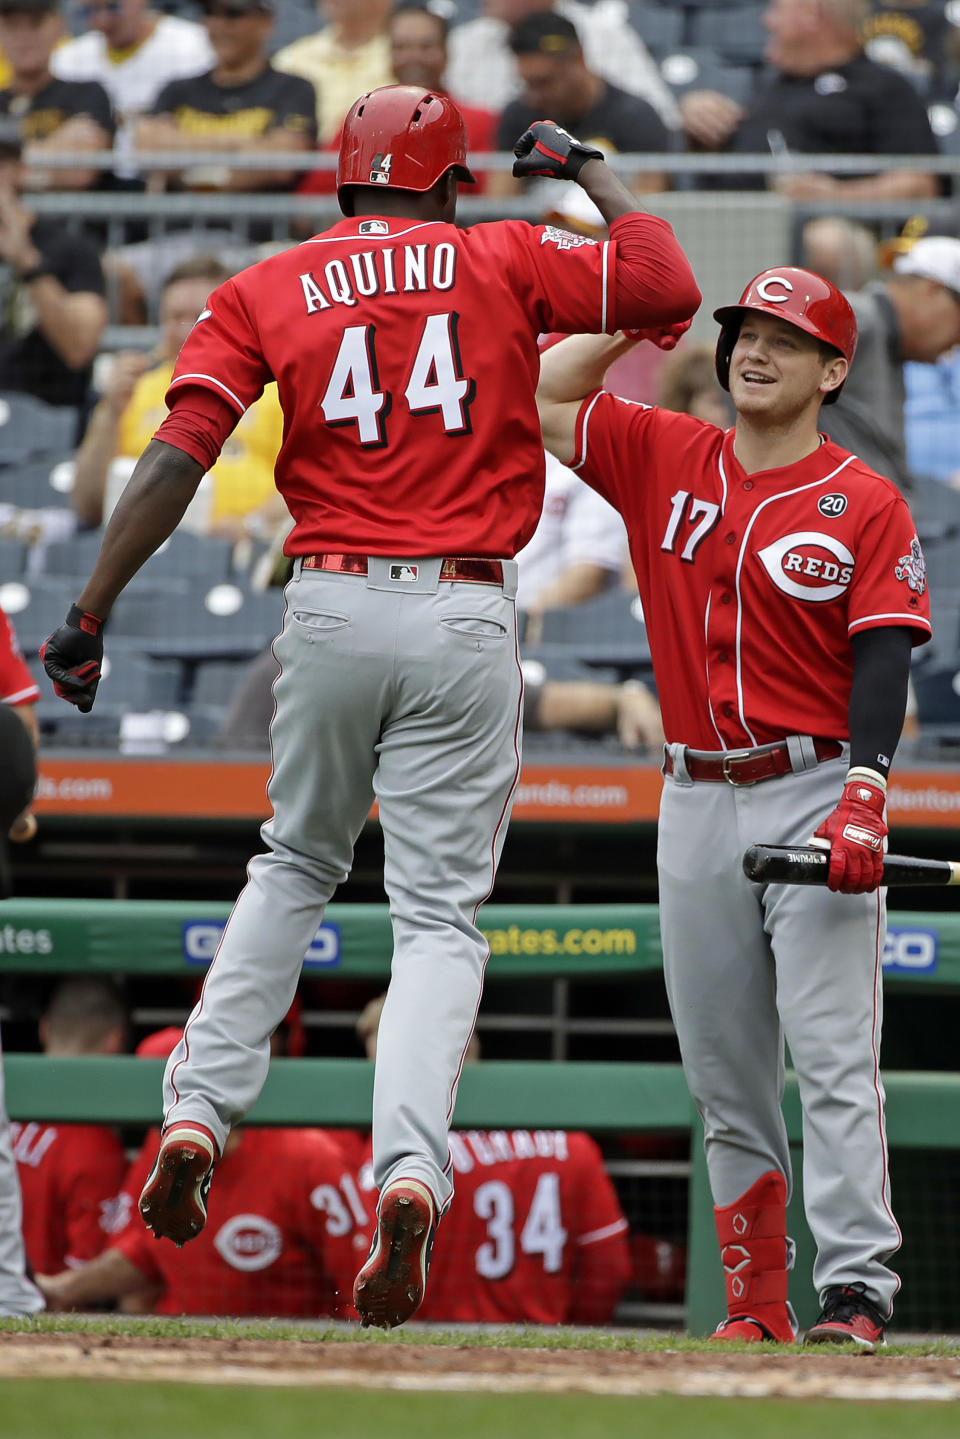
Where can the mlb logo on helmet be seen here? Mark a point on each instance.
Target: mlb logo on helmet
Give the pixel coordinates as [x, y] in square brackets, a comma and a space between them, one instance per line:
[380, 169]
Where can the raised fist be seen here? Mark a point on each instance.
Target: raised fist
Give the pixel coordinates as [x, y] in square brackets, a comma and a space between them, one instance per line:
[72, 657]
[547, 149]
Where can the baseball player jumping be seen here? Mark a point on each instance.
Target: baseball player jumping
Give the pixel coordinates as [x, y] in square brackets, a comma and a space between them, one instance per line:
[405, 356]
[783, 586]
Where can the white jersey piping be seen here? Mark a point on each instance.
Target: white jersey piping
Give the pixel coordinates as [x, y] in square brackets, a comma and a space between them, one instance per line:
[783, 495]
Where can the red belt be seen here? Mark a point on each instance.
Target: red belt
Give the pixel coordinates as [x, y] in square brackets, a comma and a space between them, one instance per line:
[469, 571]
[749, 766]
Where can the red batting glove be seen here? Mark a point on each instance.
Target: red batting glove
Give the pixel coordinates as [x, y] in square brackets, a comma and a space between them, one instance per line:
[856, 830]
[665, 337]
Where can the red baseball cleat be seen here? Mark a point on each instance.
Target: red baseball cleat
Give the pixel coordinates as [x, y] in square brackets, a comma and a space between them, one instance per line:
[848, 1317]
[745, 1330]
[390, 1286]
[174, 1199]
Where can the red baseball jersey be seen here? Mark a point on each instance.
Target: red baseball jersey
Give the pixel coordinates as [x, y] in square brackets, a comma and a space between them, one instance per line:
[69, 1176]
[287, 1229]
[752, 585]
[535, 1233]
[406, 361]
[17, 685]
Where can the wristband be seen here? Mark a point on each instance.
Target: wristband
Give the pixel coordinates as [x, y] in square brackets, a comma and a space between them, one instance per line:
[79, 619]
[869, 776]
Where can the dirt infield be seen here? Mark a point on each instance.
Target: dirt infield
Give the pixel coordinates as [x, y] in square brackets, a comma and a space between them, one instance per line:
[297, 1363]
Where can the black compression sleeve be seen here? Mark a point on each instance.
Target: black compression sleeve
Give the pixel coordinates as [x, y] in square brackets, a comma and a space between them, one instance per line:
[878, 695]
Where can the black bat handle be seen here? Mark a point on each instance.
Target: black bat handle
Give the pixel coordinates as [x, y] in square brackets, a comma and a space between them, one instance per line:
[806, 864]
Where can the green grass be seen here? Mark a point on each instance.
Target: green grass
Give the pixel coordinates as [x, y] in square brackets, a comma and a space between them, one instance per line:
[513, 1338]
[87, 1409]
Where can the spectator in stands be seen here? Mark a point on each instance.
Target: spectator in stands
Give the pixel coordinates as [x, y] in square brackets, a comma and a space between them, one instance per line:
[913, 314]
[629, 710]
[243, 105]
[418, 56]
[824, 97]
[52, 306]
[71, 1173]
[286, 1228]
[482, 68]
[54, 114]
[689, 386]
[238, 497]
[556, 81]
[18, 1295]
[134, 52]
[919, 39]
[843, 251]
[535, 1233]
[350, 55]
[932, 419]
[578, 549]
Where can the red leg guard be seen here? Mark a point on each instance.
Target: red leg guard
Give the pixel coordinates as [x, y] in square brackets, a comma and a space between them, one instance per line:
[753, 1249]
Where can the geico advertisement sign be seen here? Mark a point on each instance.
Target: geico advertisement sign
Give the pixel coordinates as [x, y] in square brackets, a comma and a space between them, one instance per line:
[910, 951]
[201, 938]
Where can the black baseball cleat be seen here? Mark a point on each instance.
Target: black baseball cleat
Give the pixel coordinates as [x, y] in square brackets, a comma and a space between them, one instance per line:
[174, 1199]
[848, 1317]
[390, 1286]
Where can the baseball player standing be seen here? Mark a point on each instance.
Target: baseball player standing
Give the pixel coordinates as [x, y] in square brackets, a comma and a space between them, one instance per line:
[783, 586]
[405, 356]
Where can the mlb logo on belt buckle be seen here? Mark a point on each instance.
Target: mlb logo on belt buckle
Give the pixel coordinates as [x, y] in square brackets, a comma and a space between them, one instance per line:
[406, 573]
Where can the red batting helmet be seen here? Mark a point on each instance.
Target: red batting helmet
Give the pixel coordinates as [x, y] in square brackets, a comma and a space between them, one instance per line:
[404, 137]
[801, 298]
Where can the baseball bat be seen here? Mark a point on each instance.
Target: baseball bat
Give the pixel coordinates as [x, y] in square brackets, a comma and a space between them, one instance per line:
[806, 864]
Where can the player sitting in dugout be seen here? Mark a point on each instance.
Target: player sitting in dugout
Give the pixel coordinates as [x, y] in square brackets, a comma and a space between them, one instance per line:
[286, 1229]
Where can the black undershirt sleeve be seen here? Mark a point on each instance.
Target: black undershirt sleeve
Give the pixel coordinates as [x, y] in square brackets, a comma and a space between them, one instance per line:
[878, 694]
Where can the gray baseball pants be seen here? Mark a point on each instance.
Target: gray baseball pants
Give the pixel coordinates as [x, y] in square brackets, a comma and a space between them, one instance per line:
[408, 690]
[18, 1295]
[750, 965]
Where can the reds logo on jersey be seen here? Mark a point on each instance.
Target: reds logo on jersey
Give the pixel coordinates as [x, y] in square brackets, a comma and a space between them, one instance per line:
[249, 1242]
[913, 568]
[808, 565]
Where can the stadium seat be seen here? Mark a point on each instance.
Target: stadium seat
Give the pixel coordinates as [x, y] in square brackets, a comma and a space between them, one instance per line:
[187, 556]
[937, 690]
[36, 609]
[13, 559]
[215, 683]
[604, 631]
[736, 32]
[29, 428]
[696, 68]
[660, 27]
[935, 507]
[556, 662]
[26, 482]
[205, 622]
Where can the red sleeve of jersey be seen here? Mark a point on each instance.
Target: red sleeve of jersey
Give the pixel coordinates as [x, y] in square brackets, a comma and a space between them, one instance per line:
[613, 443]
[889, 578]
[222, 352]
[579, 285]
[333, 1216]
[17, 685]
[602, 1252]
[199, 422]
[131, 1235]
[655, 284]
[93, 1171]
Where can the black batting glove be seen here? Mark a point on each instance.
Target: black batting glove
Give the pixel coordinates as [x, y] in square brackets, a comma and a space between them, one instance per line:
[547, 149]
[72, 657]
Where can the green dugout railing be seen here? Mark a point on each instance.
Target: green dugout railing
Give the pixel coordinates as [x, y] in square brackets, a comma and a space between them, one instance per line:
[168, 937]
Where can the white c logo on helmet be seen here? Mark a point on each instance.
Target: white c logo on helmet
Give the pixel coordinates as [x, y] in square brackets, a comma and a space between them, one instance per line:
[763, 289]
